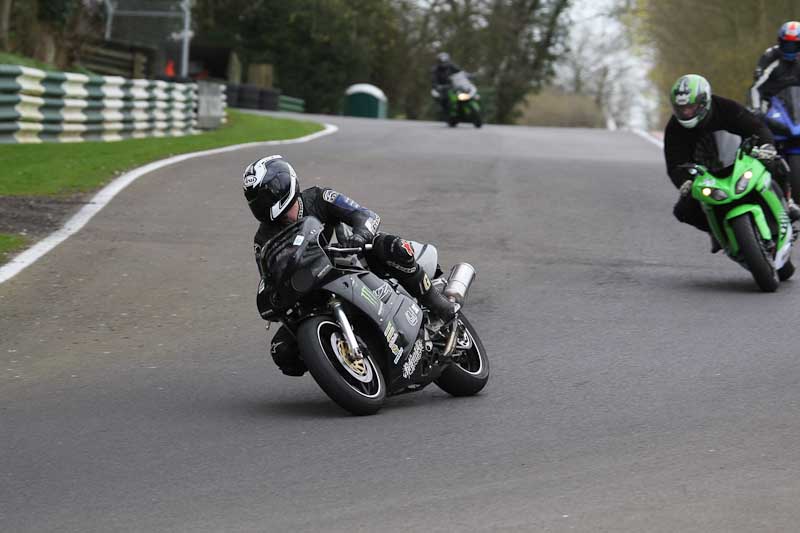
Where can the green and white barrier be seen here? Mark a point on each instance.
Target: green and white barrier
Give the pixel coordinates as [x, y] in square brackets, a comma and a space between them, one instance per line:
[37, 106]
[289, 103]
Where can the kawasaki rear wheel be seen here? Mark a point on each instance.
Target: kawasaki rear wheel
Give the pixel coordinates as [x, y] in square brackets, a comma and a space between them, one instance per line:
[794, 175]
[786, 271]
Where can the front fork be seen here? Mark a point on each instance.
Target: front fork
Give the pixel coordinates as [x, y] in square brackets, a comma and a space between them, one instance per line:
[349, 336]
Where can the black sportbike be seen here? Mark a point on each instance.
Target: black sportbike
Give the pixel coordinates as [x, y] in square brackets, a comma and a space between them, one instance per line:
[364, 338]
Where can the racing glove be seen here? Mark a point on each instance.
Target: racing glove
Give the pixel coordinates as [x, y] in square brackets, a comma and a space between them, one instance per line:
[765, 152]
[686, 188]
[356, 240]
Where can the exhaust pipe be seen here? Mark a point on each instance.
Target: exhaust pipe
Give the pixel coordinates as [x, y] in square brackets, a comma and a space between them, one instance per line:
[461, 277]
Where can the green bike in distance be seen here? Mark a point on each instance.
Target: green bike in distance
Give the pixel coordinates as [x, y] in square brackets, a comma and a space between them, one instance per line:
[747, 214]
[463, 101]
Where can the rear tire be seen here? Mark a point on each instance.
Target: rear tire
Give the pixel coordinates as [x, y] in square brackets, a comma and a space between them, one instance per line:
[361, 390]
[476, 115]
[794, 176]
[470, 370]
[753, 253]
[786, 271]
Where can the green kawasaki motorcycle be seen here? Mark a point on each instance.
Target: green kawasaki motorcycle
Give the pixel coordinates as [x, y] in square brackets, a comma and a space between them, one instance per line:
[747, 214]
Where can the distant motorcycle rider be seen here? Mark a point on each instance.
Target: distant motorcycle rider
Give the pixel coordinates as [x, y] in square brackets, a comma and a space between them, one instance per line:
[273, 194]
[440, 78]
[778, 67]
[689, 139]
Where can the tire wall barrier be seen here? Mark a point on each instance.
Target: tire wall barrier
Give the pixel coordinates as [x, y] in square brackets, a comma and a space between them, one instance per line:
[255, 97]
[40, 106]
[288, 103]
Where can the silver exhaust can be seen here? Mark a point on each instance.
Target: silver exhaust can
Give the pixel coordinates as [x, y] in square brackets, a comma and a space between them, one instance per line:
[461, 277]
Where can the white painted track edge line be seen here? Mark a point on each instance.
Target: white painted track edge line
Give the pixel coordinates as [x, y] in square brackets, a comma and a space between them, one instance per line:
[26, 258]
[646, 136]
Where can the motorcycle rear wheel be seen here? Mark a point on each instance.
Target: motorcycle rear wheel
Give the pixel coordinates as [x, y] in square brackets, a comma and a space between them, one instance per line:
[470, 369]
[356, 387]
[786, 271]
[754, 254]
[794, 175]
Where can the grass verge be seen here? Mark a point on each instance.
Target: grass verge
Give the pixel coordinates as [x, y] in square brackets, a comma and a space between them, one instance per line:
[58, 169]
[55, 170]
[10, 244]
[14, 59]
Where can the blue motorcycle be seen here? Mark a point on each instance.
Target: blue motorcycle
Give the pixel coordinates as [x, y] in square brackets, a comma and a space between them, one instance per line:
[783, 118]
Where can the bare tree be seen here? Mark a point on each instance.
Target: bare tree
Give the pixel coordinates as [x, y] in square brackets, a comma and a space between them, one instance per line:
[720, 39]
[521, 45]
[5, 23]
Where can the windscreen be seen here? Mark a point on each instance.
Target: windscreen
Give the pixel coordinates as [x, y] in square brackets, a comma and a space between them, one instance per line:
[461, 82]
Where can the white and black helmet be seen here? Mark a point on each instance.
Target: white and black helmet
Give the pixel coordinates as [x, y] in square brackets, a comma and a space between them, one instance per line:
[270, 187]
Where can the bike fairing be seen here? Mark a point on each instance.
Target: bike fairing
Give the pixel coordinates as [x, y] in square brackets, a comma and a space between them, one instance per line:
[746, 214]
[783, 118]
[358, 288]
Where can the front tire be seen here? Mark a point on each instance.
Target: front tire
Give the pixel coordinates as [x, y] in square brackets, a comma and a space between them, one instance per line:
[754, 254]
[476, 115]
[470, 369]
[357, 387]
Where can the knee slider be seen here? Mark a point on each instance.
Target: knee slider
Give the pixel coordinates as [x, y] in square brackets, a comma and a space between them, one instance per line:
[284, 352]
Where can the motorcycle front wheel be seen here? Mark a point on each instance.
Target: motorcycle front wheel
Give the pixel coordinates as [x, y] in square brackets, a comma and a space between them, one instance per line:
[357, 386]
[469, 372]
[754, 254]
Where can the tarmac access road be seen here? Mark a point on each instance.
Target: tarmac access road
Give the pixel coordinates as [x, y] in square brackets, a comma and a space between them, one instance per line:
[639, 383]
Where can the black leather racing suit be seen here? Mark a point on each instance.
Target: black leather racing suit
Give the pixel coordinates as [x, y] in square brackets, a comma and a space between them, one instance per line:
[697, 145]
[390, 256]
[331, 208]
[772, 75]
[440, 79]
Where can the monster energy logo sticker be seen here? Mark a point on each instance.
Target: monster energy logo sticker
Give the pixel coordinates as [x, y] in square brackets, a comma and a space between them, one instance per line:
[369, 296]
[382, 291]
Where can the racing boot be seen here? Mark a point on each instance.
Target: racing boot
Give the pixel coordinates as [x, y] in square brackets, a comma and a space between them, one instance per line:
[420, 286]
[284, 352]
[793, 210]
[715, 245]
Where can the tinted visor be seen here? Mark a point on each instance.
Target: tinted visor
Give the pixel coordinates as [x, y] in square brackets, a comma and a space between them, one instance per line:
[279, 187]
[686, 111]
[789, 47]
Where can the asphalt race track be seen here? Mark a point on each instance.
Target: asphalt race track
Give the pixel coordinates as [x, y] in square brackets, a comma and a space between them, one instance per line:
[639, 383]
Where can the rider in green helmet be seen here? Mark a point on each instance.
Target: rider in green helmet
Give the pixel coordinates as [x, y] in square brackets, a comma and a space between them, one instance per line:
[689, 139]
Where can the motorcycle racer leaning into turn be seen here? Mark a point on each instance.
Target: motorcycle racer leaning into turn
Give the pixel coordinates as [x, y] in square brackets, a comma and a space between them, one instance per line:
[440, 79]
[777, 68]
[273, 194]
[689, 139]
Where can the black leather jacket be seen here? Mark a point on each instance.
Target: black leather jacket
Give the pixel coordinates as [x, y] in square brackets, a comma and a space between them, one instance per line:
[440, 73]
[772, 74]
[331, 208]
[697, 145]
